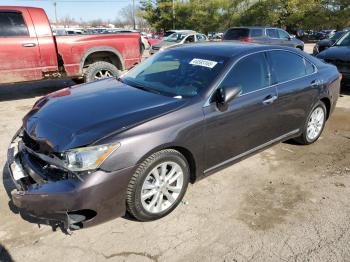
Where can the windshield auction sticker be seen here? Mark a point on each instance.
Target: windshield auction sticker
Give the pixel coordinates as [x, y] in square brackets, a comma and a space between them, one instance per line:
[203, 62]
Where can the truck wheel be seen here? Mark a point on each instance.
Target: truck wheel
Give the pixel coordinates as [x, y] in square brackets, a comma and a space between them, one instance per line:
[100, 70]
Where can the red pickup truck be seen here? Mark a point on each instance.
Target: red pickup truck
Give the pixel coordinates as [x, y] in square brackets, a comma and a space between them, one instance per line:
[29, 51]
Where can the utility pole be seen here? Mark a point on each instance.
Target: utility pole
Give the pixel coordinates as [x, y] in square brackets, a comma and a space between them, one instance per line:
[173, 14]
[55, 5]
[133, 14]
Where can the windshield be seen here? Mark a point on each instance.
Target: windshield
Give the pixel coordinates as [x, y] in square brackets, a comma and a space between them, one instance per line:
[176, 73]
[336, 35]
[175, 37]
[344, 40]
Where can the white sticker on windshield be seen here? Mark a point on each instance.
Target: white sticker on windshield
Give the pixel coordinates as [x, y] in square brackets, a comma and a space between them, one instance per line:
[203, 62]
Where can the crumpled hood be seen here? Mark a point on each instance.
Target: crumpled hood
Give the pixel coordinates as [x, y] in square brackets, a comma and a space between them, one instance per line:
[79, 116]
[341, 53]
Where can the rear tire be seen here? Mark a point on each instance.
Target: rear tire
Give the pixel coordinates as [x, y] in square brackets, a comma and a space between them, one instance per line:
[100, 70]
[158, 185]
[314, 125]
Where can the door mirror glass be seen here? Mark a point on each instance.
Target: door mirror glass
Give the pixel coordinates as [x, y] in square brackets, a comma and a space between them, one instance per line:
[226, 94]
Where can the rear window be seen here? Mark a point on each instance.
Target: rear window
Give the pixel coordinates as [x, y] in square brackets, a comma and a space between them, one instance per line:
[256, 32]
[12, 24]
[236, 33]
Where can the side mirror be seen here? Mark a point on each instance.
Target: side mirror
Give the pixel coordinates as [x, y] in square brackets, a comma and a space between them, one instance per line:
[226, 94]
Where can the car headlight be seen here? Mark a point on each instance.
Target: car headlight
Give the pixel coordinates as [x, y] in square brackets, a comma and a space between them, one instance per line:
[88, 158]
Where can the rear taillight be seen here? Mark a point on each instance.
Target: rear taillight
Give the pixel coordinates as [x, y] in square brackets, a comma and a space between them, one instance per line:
[246, 39]
[340, 77]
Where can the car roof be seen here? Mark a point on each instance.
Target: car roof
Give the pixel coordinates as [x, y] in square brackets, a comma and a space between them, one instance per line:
[254, 27]
[181, 31]
[229, 49]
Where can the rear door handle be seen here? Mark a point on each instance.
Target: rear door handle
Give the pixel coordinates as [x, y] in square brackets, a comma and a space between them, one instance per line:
[269, 99]
[28, 44]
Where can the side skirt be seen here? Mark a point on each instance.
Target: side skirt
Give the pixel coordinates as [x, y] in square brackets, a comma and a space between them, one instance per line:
[250, 152]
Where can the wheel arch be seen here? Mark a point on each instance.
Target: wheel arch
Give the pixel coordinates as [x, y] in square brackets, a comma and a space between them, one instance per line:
[327, 103]
[191, 160]
[102, 53]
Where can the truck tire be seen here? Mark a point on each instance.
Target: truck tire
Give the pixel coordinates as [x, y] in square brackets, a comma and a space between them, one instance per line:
[100, 70]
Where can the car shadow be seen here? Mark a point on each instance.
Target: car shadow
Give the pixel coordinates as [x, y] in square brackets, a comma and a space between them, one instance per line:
[345, 89]
[32, 89]
[5, 255]
[9, 187]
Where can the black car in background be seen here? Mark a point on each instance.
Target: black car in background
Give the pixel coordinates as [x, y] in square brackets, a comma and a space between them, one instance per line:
[328, 42]
[91, 153]
[262, 35]
[339, 55]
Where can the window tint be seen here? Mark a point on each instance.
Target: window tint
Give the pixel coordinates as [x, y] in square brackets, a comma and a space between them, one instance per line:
[250, 73]
[272, 33]
[286, 65]
[309, 67]
[256, 32]
[283, 34]
[236, 33]
[12, 24]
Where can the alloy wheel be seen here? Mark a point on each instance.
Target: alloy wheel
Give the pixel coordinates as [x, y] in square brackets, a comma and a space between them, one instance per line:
[103, 74]
[162, 187]
[315, 124]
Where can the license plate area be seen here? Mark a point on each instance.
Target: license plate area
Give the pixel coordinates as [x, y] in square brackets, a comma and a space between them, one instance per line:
[14, 161]
[17, 170]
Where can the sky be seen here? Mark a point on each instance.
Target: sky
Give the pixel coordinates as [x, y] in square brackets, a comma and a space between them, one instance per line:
[78, 9]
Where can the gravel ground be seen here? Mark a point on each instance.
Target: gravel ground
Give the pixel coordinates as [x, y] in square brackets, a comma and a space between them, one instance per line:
[288, 203]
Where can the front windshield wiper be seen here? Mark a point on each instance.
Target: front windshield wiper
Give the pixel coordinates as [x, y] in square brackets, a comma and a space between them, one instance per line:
[142, 87]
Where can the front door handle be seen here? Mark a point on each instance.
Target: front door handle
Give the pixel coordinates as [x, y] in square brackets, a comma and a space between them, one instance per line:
[269, 99]
[28, 44]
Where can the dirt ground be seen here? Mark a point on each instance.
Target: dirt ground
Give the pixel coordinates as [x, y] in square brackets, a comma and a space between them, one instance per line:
[288, 203]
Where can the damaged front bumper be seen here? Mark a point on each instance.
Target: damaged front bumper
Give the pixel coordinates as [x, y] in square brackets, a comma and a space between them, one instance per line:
[62, 198]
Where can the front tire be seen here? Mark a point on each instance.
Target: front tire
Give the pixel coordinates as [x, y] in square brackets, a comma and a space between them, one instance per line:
[314, 125]
[100, 70]
[158, 185]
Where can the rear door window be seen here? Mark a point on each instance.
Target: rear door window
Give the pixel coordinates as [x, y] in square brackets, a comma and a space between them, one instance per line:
[283, 34]
[286, 66]
[251, 74]
[256, 32]
[272, 33]
[12, 24]
[236, 33]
